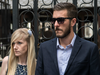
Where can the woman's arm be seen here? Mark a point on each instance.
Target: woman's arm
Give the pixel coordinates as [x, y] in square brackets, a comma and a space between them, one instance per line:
[4, 66]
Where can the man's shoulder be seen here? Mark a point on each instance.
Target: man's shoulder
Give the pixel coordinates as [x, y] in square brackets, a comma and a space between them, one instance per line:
[49, 41]
[84, 41]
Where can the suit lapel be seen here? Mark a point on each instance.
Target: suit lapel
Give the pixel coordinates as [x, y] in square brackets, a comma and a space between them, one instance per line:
[76, 48]
[53, 52]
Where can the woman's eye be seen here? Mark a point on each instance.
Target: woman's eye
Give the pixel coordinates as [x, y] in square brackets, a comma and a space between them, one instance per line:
[13, 43]
[19, 42]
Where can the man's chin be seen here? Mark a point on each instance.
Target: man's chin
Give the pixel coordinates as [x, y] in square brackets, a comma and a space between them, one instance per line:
[59, 36]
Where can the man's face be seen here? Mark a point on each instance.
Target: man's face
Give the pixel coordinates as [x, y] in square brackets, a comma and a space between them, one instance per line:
[62, 29]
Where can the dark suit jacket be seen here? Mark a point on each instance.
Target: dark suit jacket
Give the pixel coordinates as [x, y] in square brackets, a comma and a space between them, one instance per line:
[84, 59]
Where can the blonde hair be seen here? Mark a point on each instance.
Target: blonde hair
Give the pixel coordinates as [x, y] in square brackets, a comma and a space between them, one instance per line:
[22, 33]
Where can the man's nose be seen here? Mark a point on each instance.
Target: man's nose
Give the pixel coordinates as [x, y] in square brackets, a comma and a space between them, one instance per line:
[56, 23]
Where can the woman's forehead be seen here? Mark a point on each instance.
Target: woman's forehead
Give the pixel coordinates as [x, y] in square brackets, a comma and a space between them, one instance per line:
[19, 39]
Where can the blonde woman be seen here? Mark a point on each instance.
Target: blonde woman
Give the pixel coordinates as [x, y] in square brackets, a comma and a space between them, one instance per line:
[21, 60]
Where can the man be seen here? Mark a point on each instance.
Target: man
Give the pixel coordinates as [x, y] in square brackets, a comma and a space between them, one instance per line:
[67, 54]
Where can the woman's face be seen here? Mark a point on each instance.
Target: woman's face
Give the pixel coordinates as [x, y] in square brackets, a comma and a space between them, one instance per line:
[20, 47]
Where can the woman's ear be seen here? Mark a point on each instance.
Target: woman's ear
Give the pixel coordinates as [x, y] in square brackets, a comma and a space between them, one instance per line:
[73, 21]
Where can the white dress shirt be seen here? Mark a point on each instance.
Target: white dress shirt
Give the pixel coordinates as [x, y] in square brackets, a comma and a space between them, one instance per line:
[63, 55]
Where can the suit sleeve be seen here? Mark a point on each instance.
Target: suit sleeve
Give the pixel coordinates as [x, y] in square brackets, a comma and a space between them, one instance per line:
[94, 61]
[39, 66]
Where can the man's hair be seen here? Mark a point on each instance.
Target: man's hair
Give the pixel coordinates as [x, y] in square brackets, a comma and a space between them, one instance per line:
[71, 9]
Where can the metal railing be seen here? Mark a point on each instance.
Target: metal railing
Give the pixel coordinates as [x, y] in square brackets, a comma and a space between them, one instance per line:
[40, 20]
[5, 20]
[37, 18]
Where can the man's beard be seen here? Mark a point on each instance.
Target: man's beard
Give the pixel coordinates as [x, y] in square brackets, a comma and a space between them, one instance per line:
[65, 33]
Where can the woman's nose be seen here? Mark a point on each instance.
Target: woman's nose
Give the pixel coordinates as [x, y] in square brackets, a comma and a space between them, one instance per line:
[15, 46]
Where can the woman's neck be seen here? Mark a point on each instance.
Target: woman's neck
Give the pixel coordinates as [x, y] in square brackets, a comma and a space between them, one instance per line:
[22, 60]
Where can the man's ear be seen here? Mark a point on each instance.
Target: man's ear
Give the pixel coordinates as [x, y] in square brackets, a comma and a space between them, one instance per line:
[73, 21]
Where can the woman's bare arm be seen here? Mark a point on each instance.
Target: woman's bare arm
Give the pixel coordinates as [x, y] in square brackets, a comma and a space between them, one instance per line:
[4, 66]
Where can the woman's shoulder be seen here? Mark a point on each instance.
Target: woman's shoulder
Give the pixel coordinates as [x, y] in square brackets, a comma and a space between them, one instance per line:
[5, 59]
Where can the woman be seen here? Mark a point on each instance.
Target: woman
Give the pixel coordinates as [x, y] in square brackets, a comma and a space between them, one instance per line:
[21, 60]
